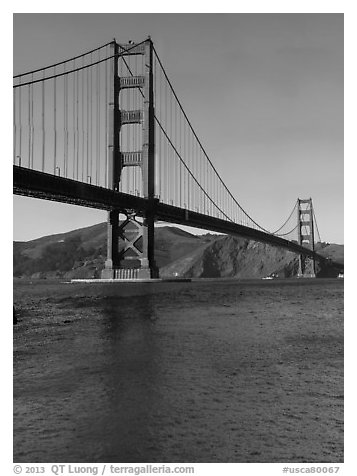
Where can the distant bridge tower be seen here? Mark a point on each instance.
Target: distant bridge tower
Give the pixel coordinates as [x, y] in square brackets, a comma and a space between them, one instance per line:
[130, 244]
[306, 237]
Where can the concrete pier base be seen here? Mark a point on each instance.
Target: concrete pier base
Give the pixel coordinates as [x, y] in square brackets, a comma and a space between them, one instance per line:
[138, 280]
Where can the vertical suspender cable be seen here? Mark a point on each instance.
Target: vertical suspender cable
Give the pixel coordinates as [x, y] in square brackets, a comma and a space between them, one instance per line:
[203, 178]
[87, 168]
[106, 120]
[74, 121]
[32, 124]
[167, 198]
[178, 165]
[77, 124]
[65, 121]
[156, 158]
[208, 203]
[164, 143]
[174, 162]
[168, 151]
[54, 122]
[182, 140]
[208, 187]
[20, 121]
[43, 124]
[29, 124]
[82, 117]
[97, 174]
[179, 147]
[194, 170]
[202, 198]
[170, 189]
[162, 140]
[188, 164]
[14, 123]
[194, 167]
[216, 192]
[91, 120]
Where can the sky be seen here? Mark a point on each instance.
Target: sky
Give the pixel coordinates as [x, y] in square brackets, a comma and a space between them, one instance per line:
[263, 91]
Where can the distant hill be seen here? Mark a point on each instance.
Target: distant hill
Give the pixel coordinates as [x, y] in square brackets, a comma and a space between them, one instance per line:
[333, 251]
[81, 254]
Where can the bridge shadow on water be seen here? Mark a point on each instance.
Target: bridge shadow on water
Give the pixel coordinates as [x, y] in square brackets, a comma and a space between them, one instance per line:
[132, 381]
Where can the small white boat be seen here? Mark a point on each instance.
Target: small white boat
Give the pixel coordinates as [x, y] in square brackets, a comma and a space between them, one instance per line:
[271, 276]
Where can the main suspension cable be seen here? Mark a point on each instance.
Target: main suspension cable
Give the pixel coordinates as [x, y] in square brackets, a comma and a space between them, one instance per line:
[282, 226]
[62, 62]
[205, 153]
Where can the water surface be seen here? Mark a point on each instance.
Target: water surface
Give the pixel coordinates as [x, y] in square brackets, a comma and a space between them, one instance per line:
[208, 371]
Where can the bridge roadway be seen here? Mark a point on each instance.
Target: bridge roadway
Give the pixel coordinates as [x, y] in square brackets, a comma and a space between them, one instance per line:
[32, 183]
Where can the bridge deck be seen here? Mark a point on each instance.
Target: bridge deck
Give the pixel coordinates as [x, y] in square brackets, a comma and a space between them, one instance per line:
[41, 185]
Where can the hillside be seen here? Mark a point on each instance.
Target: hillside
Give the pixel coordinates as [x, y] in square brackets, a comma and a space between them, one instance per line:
[81, 254]
[333, 251]
[233, 257]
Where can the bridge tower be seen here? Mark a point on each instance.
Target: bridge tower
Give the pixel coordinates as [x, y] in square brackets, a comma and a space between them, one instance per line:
[130, 244]
[305, 218]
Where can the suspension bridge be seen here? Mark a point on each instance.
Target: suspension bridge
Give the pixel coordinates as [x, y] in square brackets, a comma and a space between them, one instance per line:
[106, 130]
